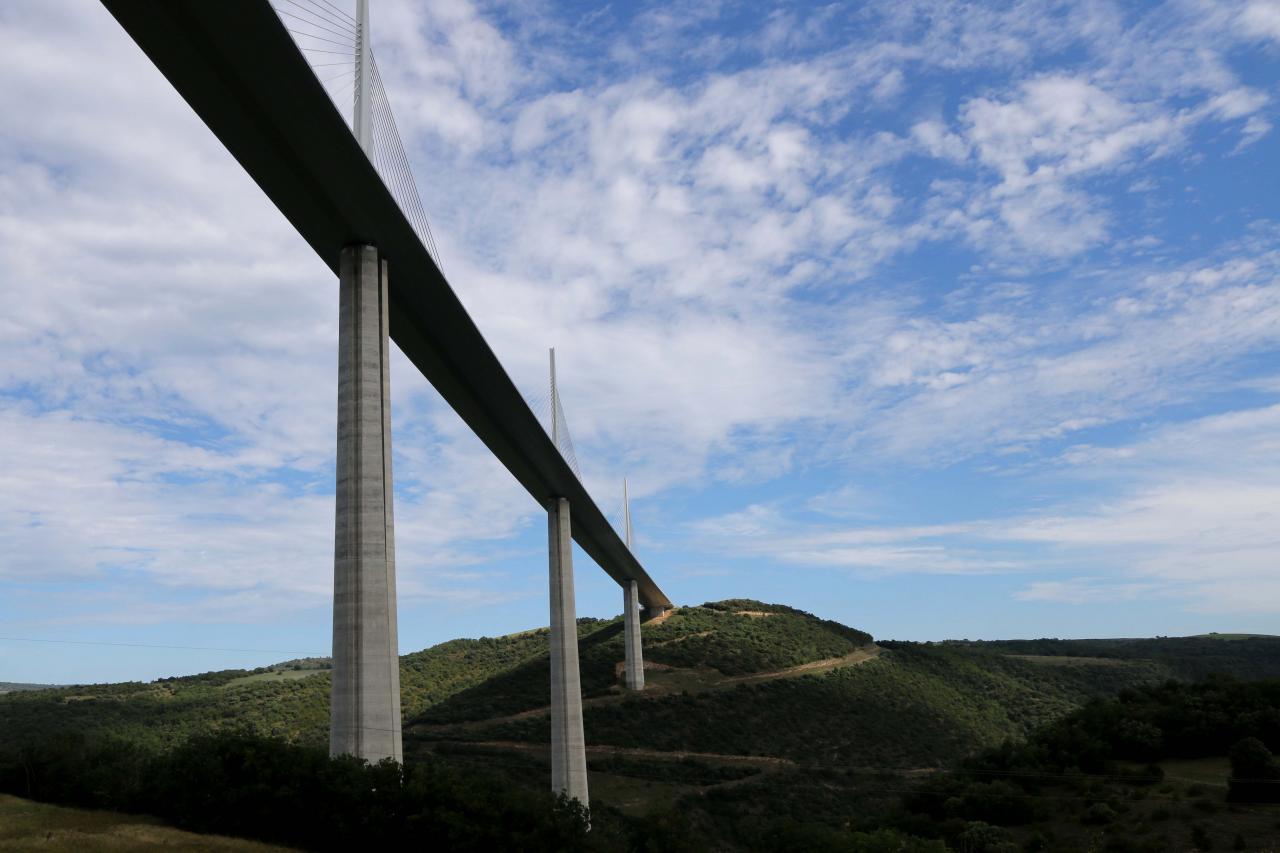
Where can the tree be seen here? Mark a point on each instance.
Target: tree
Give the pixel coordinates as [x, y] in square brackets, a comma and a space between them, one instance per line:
[1255, 773]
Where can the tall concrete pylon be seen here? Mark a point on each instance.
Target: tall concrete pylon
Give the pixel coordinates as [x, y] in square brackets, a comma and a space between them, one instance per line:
[365, 699]
[568, 742]
[633, 669]
[364, 716]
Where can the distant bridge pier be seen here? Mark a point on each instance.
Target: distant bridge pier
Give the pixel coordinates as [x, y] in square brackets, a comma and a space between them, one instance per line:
[568, 743]
[651, 612]
[634, 665]
[365, 699]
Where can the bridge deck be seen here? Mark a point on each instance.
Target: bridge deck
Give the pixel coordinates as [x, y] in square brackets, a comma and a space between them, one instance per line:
[238, 68]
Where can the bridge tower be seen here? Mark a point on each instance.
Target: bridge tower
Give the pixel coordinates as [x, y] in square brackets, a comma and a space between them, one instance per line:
[365, 699]
[633, 672]
[568, 743]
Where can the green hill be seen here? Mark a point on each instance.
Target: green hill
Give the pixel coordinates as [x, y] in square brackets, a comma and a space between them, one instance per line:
[735, 677]
[757, 719]
[280, 701]
[16, 686]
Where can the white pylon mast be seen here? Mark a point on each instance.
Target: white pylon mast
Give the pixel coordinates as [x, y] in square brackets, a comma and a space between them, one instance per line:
[626, 515]
[555, 432]
[362, 122]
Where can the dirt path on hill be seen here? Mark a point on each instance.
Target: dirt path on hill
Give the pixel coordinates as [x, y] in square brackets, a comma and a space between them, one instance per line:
[714, 681]
[765, 763]
[857, 656]
[672, 755]
[680, 639]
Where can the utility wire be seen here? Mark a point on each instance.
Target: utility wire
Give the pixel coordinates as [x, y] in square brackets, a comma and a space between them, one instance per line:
[319, 13]
[343, 96]
[540, 404]
[389, 168]
[346, 15]
[410, 200]
[321, 38]
[564, 440]
[339, 76]
[414, 202]
[389, 155]
[383, 151]
[309, 23]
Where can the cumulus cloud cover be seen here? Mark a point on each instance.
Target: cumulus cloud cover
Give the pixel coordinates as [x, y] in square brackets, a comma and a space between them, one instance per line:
[938, 319]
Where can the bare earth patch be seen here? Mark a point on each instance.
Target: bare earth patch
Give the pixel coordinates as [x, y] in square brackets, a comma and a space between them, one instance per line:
[854, 657]
[274, 675]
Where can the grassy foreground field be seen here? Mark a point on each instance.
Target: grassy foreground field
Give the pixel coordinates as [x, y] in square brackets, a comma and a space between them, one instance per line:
[27, 825]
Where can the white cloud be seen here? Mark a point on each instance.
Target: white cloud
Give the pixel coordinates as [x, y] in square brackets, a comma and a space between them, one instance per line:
[1032, 372]
[170, 365]
[889, 86]
[761, 530]
[1086, 590]
[1042, 141]
[710, 253]
[934, 137]
[1193, 523]
[1261, 19]
[1254, 129]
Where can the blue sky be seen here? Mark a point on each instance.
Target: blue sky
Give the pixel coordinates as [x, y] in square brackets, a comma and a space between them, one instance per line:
[938, 319]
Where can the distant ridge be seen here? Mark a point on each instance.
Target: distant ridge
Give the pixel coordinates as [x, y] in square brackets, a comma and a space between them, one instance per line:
[16, 686]
[1214, 635]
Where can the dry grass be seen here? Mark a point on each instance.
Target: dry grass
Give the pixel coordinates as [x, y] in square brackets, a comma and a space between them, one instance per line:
[1070, 660]
[274, 675]
[635, 797]
[1203, 771]
[28, 825]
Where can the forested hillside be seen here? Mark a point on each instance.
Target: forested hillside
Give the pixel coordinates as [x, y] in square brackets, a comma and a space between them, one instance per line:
[289, 701]
[761, 727]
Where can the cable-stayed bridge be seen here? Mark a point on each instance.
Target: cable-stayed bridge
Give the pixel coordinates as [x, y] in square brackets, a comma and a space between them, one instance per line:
[276, 84]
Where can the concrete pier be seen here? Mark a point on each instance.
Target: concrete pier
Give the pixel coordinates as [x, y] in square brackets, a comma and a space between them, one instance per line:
[365, 699]
[634, 673]
[568, 745]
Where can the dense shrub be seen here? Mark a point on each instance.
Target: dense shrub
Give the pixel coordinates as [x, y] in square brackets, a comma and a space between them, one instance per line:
[1255, 773]
[246, 785]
